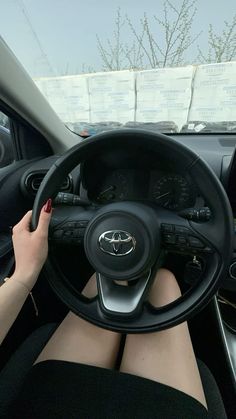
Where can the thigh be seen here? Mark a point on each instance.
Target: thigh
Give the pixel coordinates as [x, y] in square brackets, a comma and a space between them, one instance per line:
[166, 356]
[76, 340]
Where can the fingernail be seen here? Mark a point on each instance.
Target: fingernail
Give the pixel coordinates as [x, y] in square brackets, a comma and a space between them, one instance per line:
[48, 206]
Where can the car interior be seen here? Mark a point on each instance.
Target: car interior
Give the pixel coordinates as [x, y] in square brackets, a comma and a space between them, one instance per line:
[176, 192]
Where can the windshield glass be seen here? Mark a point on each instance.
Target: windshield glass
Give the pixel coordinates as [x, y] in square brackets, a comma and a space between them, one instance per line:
[167, 66]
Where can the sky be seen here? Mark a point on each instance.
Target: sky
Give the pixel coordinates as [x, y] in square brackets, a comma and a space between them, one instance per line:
[57, 37]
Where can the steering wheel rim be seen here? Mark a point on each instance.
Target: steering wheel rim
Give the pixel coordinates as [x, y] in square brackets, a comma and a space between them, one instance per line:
[216, 233]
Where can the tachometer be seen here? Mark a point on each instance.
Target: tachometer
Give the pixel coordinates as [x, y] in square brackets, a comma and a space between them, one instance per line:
[173, 192]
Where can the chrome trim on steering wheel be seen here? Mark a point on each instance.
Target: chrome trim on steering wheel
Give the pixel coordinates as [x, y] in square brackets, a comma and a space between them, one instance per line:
[121, 298]
[116, 239]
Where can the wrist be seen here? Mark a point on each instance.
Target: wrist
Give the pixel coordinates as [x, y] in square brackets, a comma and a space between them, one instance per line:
[26, 284]
[26, 279]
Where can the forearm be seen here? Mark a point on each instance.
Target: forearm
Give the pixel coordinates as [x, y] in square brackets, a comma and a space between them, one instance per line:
[30, 250]
[13, 294]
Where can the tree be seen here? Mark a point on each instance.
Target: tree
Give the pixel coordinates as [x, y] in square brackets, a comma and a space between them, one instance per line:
[221, 47]
[165, 40]
[147, 49]
[113, 55]
[176, 26]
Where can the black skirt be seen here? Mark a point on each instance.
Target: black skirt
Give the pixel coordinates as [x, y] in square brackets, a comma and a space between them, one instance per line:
[67, 390]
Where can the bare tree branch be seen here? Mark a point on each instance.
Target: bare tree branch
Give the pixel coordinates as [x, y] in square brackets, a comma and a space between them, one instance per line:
[164, 40]
[112, 55]
[221, 47]
[139, 39]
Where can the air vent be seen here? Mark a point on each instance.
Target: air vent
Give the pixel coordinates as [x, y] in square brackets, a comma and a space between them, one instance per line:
[34, 180]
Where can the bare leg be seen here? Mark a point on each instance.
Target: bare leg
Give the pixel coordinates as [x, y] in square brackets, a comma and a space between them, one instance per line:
[166, 356]
[76, 340]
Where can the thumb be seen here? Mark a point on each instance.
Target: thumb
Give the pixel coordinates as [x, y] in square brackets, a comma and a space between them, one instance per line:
[24, 223]
[45, 216]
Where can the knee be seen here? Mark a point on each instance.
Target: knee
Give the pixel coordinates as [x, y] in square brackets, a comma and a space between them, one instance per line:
[165, 289]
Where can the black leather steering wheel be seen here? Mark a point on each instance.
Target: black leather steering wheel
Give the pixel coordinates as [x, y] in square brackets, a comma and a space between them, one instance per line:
[126, 240]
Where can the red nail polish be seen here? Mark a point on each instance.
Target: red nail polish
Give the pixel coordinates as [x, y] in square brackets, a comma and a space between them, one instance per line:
[48, 206]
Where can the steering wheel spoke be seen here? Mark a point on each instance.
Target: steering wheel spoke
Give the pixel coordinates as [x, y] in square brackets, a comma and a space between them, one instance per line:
[122, 300]
[68, 224]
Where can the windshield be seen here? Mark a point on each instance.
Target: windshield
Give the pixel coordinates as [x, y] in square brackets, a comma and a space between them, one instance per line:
[166, 66]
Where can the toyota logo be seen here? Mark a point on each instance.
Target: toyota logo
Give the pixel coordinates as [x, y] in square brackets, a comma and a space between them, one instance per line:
[117, 242]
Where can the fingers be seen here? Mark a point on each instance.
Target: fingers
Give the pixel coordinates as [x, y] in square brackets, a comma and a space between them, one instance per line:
[24, 223]
[45, 217]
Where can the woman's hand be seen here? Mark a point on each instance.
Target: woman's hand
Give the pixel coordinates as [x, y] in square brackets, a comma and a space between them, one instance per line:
[31, 248]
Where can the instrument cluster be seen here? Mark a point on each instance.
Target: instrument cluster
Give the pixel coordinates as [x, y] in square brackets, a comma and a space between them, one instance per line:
[173, 191]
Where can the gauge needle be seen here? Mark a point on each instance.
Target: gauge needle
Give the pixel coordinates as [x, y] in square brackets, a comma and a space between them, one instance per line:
[111, 188]
[162, 196]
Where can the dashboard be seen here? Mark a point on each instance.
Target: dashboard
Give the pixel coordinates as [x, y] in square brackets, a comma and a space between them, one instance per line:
[138, 175]
[135, 175]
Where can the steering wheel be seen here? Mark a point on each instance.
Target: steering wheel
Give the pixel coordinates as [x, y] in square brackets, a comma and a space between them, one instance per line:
[126, 241]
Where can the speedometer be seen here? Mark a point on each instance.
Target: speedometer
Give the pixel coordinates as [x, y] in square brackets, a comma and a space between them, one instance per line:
[173, 192]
